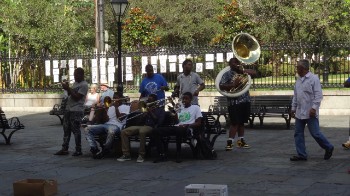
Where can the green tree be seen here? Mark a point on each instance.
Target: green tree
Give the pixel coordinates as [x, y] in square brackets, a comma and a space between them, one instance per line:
[40, 24]
[184, 22]
[233, 21]
[36, 26]
[139, 30]
[296, 20]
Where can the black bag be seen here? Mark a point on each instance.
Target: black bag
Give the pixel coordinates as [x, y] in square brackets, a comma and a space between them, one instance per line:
[204, 150]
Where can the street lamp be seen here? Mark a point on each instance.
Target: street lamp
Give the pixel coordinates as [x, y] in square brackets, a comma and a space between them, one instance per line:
[119, 7]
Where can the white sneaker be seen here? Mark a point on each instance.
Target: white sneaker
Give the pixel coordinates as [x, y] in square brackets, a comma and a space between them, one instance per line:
[346, 145]
[124, 158]
[140, 159]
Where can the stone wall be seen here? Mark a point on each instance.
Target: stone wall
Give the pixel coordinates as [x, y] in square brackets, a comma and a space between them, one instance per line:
[335, 102]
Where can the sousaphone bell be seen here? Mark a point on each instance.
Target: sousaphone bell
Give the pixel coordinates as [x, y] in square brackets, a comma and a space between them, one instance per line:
[247, 50]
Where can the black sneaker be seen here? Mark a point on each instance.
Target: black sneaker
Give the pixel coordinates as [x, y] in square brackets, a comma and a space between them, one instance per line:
[328, 153]
[229, 145]
[77, 153]
[62, 152]
[161, 158]
[242, 144]
[298, 158]
[101, 154]
[94, 151]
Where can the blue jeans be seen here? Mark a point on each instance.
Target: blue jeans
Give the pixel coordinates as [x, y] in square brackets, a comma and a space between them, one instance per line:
[101, 129]
[313, 125]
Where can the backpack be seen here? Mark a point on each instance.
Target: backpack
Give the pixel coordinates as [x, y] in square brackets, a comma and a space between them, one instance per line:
[204, 150]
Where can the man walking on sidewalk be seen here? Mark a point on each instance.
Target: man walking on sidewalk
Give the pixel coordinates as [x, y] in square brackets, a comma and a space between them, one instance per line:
[305, 108]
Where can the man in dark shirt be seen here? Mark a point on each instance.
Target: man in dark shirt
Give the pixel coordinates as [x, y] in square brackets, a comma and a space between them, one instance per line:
[153, 117]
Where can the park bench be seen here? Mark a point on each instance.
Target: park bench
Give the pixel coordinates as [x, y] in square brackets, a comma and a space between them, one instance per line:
[211, 130]
[59, 109]
[261, 107]
[271, 106]
[13, 124]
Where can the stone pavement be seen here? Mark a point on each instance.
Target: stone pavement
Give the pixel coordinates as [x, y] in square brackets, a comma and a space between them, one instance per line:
[264, 169]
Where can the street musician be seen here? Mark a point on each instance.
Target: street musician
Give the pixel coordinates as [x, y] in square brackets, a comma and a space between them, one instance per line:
[151, 118]
[189, 119]
[116, 110]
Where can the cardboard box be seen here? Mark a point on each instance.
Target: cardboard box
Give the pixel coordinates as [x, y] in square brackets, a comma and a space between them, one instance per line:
[35, 187]
[206, 190]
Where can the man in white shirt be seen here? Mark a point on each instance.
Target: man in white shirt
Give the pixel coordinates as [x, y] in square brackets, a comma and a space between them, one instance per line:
[305, 108]
[117, 118]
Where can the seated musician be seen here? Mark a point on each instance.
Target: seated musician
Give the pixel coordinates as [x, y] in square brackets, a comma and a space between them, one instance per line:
[116, 120]
[150, 119]
[189, 117]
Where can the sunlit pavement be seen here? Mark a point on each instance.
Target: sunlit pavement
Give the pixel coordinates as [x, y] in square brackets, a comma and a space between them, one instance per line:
[264, 169]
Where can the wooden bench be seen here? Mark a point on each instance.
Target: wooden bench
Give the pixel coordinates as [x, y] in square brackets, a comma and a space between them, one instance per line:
[261, 107]
[59, 109]
[12, 124]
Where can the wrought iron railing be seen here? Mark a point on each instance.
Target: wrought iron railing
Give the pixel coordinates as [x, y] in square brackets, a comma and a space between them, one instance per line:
[275, 68]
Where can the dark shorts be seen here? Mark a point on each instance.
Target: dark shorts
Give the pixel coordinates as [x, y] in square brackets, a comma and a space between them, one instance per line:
[239, 113]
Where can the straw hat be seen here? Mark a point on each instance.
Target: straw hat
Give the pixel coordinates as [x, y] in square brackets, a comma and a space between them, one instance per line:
[104, 84]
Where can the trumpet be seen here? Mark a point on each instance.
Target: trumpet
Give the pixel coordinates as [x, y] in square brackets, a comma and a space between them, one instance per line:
[64, 81]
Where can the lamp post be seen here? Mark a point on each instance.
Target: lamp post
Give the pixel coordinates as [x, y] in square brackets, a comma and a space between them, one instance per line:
[119, 7]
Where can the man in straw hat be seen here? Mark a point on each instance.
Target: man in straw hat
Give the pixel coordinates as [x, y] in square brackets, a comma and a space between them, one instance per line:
[106, 91]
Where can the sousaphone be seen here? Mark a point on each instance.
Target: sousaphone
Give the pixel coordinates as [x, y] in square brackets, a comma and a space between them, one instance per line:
[247, 50]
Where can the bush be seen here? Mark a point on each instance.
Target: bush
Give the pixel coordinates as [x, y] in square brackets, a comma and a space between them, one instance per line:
[344, 67]
[287, 69]
[265, 70]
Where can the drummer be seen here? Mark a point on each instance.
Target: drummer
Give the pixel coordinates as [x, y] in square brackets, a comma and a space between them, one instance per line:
[153, 83]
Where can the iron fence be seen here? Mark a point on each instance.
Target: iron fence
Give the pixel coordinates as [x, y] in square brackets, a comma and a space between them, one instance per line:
[275, 67]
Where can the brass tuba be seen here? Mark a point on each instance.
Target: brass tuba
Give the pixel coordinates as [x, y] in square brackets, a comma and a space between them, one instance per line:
[247, 50]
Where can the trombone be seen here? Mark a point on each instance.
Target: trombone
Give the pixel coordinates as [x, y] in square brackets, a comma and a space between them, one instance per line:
[143, 107]
[108, 101]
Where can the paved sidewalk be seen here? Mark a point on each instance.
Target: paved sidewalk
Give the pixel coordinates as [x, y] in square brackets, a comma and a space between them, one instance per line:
[264, 169]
